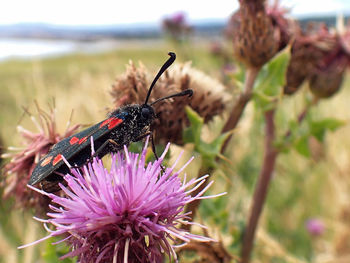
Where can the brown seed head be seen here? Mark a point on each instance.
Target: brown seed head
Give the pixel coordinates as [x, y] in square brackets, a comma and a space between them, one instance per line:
[18, 171]
[208, 100]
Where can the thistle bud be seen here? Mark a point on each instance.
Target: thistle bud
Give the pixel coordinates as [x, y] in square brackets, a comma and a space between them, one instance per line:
[326, 81]
[328, 74]
[257, 34]
[308, 49]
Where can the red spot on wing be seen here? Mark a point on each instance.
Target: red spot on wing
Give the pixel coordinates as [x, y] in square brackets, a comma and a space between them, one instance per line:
[82, 140]
[46, 161]
[57, 159]
[114, 122]
[73, 140]
[105, 122]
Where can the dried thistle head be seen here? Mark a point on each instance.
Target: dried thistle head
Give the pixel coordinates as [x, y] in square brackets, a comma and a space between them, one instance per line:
[208, 100]
[327, 78]
[213, 252]
[255, 38]
[329, 71]
[132, 86]
[308, 50]
[22, 162]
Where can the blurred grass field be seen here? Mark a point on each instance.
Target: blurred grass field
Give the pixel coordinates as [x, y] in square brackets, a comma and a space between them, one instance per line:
[302, 188]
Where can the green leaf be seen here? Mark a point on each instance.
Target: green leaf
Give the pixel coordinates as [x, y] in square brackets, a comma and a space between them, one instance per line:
[302, 146]
[209, 151]
[270, 81]
[54, 252]
[319, 128]
[215, 209]
[192, 134]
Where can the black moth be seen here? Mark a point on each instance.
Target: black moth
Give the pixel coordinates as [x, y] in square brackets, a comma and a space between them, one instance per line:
[127, 124]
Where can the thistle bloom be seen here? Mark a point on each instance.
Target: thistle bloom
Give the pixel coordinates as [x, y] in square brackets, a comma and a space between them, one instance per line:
[127, 214]
[315, 226]
[176, 26]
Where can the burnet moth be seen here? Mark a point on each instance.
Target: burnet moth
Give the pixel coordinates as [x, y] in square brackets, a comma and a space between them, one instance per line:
[124, 125]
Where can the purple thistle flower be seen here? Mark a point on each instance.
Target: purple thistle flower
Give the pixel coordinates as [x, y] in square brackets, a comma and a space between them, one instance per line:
[315, 226]
[128, 214]
[178, 18]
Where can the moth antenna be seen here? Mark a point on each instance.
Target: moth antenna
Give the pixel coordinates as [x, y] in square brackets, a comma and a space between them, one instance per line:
[187, 92]
[166, 65]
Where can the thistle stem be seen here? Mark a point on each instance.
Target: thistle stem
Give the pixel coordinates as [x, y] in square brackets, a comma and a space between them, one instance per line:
[261, 189]
[238, 108]
[231, 123]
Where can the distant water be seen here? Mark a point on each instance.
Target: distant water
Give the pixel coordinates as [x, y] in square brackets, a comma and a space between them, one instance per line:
[33, 48]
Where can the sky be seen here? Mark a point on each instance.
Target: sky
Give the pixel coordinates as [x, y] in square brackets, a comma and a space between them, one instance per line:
[110, 12]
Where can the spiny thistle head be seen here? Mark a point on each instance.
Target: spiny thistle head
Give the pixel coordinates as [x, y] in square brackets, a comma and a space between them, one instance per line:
[308, 50]
[22, 162]
[130, 213]
[257, 35]
[208, 100]
[329, 71]
[326, 80]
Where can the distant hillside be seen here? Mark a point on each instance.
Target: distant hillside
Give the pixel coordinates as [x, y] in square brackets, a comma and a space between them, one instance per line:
[330, 21]
[91, 33]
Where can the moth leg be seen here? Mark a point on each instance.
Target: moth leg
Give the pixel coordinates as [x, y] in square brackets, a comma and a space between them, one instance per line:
[143, 136]
[104, 145]
[155, 153]
[154, 148]
[52, 186]
[152, 145]
[152, 142]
